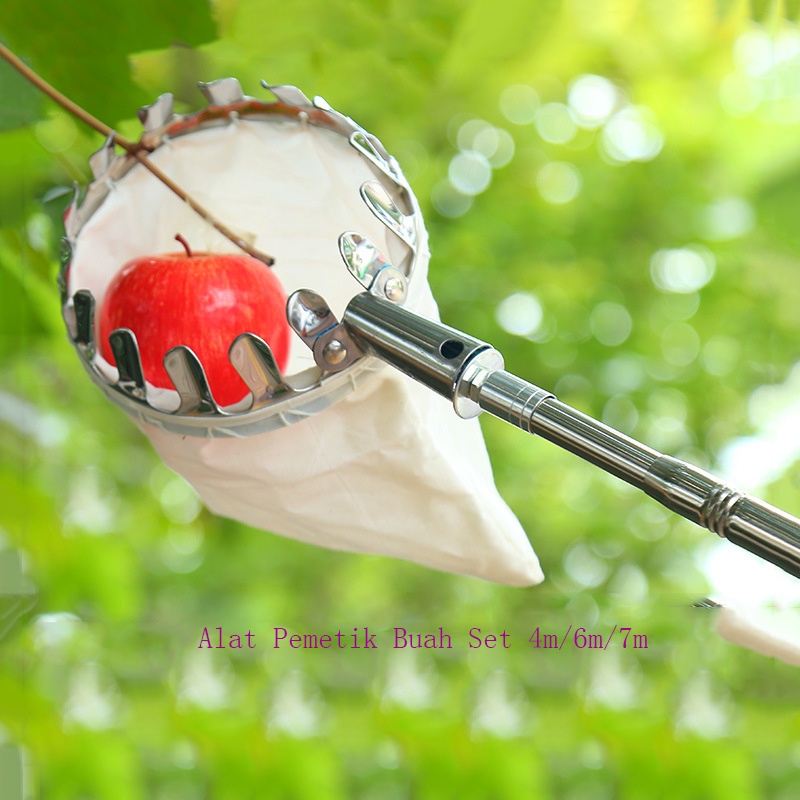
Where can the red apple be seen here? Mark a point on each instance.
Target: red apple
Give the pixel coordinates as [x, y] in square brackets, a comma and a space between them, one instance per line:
[203, 301]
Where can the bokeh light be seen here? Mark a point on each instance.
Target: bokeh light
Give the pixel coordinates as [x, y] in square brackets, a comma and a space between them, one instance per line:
[610, 323]
[449, 201]
[631, 135]
[683, 270]
[556, 124]
[519, 103]
[520, 313]
[558, 182]
[592, 100]
[728, 218]
[470, 173]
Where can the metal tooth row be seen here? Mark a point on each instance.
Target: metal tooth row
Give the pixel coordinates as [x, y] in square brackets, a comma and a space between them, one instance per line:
[156, 119]
[250, 355]
[307, 312]
[365, 143]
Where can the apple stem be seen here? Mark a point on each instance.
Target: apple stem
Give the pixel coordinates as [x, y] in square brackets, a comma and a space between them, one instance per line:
[185, 244]
[137, 150]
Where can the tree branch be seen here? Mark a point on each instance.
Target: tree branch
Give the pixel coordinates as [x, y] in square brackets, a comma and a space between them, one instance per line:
[135, 150]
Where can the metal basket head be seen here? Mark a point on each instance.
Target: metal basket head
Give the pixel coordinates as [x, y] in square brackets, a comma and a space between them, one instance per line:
[303, 181]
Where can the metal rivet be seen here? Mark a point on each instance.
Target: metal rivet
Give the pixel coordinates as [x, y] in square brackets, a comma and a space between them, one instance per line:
[334, 352]
[395, 289]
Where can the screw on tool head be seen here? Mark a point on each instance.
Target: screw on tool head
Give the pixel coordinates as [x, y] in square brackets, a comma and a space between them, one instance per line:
[334, 352]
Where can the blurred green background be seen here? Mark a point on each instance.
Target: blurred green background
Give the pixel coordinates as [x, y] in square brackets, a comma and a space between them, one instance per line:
[612, 191]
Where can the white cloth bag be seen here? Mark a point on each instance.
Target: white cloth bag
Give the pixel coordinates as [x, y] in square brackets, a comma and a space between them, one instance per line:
[389, 469]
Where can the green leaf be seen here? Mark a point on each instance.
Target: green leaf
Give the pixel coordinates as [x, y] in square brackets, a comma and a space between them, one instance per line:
[82, 47]
[22, 103]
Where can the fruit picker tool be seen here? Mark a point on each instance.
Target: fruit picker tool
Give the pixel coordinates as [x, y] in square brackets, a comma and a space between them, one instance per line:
[335, 449]
[377, 324]
[311, 157]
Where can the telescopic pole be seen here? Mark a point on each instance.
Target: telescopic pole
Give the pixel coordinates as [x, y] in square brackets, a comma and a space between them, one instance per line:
[470, 373]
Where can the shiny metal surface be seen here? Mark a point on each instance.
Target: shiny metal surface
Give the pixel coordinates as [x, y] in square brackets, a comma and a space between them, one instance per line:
[766, 531]
[129, 363]
[510, 398]
[318, 327]
[423, 349]
[370, 148]
[470, 382]
[187, 374]
[160, 112]
[362, 257]
[464, 369]
[101, 159]
[381, 204]
[83, 308]
[591, 440]
[252, 358]
[221, 92]
[309, 315]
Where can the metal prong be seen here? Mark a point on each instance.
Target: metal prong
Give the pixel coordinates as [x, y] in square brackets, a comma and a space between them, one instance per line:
[288, 95]
[309, 315]
[380, 203]
[100, 161]
[314, 322]
[222, 92]
[364, 145]
[129, 363]
[83, 302]
[71, 224]
[253, 360]
[371, 269]
[157, 113]
[362, 257]
[186, 372]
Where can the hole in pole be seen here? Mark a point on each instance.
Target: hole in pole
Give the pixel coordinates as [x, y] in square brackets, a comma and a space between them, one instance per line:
[451, 348]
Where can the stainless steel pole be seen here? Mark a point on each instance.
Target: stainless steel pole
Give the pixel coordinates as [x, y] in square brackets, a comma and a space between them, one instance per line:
[470, 373]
